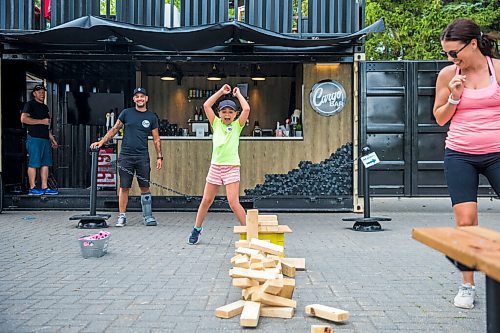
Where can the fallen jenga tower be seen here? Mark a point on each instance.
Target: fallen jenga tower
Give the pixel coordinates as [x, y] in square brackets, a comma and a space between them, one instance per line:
[265, 277]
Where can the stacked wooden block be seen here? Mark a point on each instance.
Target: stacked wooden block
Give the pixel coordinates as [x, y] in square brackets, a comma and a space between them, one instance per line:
[264, 275]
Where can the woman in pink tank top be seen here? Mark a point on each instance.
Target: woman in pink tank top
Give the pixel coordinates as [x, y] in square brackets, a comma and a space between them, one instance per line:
[468, 97]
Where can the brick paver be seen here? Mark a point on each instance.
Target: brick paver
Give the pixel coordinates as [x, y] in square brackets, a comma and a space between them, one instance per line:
[152, 281]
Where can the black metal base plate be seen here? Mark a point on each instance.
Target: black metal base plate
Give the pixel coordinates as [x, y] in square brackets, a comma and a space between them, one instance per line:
[92, 224]
[88, 221]
[367, 224]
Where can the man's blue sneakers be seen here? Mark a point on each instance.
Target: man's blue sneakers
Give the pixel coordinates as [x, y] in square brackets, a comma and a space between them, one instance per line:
[35, 191]
[49, 191]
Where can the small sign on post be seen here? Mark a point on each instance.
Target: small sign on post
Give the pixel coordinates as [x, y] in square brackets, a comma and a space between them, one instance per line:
[370, 160]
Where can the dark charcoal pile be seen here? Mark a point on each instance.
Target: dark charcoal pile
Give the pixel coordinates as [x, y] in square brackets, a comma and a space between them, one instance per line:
[331, 177]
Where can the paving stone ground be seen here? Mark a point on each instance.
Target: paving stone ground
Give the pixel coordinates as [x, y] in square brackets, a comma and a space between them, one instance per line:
[152, 281]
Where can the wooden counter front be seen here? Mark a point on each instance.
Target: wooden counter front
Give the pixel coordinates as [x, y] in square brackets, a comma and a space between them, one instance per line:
[187, 159]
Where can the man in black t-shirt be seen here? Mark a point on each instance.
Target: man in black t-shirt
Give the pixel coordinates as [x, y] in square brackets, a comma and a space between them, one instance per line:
[138, 123]
[40, 141]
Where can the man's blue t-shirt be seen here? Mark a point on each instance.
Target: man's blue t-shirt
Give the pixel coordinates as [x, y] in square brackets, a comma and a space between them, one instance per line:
[137, 127]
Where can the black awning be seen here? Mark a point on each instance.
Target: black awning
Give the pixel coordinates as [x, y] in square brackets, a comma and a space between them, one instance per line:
[91, 32]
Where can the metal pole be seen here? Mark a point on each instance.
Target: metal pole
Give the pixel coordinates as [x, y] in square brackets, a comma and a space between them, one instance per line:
[366, 198]
[492, 305]
[93, 181]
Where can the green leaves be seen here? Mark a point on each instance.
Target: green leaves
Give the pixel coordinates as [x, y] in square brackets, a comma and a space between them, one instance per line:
[413, 27]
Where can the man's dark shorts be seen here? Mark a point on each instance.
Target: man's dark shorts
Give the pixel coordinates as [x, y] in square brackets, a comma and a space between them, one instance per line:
[137, 165]
[39, 152]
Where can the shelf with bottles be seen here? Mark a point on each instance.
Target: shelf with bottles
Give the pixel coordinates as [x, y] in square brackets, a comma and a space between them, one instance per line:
[194, 93]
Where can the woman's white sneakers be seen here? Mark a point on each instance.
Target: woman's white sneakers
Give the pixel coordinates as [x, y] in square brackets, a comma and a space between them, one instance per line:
[465, 296]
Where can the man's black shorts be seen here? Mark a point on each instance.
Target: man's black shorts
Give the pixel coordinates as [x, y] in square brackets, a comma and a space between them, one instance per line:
[137, 165]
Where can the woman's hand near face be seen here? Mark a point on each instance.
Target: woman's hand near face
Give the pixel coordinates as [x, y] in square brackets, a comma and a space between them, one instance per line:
[456, 86]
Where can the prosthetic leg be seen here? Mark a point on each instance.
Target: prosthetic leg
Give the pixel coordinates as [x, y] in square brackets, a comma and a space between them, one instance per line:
[147, 211]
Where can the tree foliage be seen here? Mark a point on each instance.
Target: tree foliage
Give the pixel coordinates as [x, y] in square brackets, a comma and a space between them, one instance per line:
[413, 27]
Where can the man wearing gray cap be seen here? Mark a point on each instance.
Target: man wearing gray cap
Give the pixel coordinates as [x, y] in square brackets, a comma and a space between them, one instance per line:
[40, 141]
[138, 123]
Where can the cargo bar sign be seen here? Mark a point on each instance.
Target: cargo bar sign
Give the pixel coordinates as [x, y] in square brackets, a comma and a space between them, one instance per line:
[327, 97]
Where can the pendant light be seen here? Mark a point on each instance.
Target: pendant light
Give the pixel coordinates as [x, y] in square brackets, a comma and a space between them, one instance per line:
[214, 74]
[257, 74]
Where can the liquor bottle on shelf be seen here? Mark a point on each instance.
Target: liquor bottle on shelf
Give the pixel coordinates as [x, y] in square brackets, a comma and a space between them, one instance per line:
[256, 129]
[195, 114]
[200, 114]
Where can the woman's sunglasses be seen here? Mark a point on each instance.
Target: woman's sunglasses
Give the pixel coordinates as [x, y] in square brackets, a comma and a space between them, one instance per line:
[453, 54]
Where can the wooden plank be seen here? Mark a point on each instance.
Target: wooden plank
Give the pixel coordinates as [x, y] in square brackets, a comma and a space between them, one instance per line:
[265, 229]
[464, 246]
[250, 314]
[268, 219]
[273, 300]
[276, 311]
[245, 243]
[244, 283]
[299, 263]
[259, 257]
[288, 269]
[230, 310]
[321, 329]
[273, 286]
[260, 276]
[266, 247]
[242, 262]
[248, 292]
[269, 263]
[327, 312]
[246, 250]
[252, 224]
[288, 288]
[237, 256]
[257, 266]
[242, 243]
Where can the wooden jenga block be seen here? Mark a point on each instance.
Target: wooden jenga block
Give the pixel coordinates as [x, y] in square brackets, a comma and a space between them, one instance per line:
[230, 310]
[326, 312]
[276, 311]
[246, 250]
[242, 243]
[273, 300]
[244, 282]
[268, 219]
[260, 276]
[287, 269]
[237, 256]
[299, 263]
[248, 292]
[279, 267]
[257, 266]
[268, 263]
[274, 270]
[321, 329]
[264, 229]
[250, 314]
[266, 247]
[288, 288]
[256, 258]
[252, 221]
[273, 286]
[242, 262]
